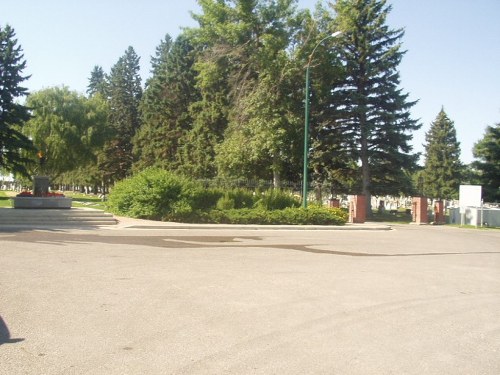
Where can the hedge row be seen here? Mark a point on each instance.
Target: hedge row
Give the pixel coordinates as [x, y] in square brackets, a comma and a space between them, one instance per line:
[160, 195]
[287, 216]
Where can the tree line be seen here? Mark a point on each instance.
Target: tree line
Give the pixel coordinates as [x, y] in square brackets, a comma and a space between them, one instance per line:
[227, 98]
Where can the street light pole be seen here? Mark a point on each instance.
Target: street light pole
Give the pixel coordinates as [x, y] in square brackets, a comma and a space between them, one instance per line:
[306, 141]
[306, 123]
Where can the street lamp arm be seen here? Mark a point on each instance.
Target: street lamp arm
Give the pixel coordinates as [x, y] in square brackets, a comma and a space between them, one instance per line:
[335, 34]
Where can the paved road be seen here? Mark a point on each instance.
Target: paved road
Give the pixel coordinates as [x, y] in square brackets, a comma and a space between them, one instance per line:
[133, 300]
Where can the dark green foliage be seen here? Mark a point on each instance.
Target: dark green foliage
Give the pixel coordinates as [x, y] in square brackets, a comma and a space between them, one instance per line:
[225, 203]
[161, 195]
[202, 198]
[97, 82]
[236, 198]
[12, 114]
[125, 93]
[276, 199]
[263, 136]
[487, 153]
[287, 216]
[165, 105]
[367, 116]
[442, 173]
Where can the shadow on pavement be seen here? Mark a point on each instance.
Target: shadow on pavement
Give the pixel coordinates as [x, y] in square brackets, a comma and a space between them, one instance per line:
[5, 334]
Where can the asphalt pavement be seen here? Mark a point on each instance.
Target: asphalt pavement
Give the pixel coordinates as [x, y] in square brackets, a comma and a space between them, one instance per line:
[160, 298]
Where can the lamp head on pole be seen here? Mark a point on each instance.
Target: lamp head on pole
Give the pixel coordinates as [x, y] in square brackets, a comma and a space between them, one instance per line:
[332, 35]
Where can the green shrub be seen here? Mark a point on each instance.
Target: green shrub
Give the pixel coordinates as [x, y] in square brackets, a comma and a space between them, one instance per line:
[160, 195]
[203, 198]
[288, 216]
[225, 202]
[276, 199]
[243, 198]
[150, 194]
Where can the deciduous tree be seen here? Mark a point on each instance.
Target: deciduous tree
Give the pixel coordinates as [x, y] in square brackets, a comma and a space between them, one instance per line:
[67, 129]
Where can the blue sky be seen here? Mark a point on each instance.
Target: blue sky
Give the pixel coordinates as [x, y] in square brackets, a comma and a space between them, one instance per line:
[452, 59]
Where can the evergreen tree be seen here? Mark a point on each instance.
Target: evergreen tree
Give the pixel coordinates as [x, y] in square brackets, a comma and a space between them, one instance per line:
[487, 153]
[213, 64]
[125, 93]
[443, 170]
[97, 82]
[12, 114]
[165, 105]
[368, 114]
[332, 161]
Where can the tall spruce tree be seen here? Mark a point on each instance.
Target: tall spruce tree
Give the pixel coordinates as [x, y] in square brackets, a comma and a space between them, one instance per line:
[443, 170]
[368, 113]
[13, 115]
[125, 92]
[97, 82]
[213, 64]
[165, 105]
[487, 154]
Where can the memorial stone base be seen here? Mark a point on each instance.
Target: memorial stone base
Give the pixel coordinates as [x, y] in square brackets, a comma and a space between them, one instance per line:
[38, 202]
[40, 198]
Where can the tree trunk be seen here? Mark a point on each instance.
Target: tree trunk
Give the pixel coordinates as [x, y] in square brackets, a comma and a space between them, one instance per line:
[365, 165]
[365, 173]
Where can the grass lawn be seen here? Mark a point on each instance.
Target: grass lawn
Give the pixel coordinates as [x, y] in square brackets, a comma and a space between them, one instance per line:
[4, 198]
[84, 200]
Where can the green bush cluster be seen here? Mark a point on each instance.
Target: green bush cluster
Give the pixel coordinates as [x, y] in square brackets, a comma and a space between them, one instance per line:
[151, 194]
[287, 216]
[160, 195]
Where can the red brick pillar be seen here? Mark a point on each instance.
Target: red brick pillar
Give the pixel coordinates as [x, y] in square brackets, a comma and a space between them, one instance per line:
[419, 209]
[439, 212]
[357, 209]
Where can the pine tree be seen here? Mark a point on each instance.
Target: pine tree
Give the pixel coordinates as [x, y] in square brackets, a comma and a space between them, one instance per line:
[125, 92]
[368, 114]
[213, 66]
[165, 105]
[13, 115]
[443, 170]
[487, 153]
[97, 82]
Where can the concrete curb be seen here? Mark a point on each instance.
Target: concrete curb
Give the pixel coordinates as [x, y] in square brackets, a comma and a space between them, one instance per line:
[124, 223]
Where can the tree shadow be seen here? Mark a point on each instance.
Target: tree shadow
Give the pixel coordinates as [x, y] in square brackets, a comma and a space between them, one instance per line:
[5, 334]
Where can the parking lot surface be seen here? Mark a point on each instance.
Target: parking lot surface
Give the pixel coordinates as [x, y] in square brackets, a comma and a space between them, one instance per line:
[161, 299]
